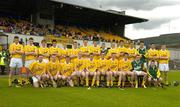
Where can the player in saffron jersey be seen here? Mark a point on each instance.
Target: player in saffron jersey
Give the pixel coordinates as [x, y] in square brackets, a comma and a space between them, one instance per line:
[113, 50]
[38, 70]
[54, 50]
[31, 53]
[44, 50]
[132, 51]
[121, 50]
[67, 69]
[85, 49]
[73, 53]
[16, 52]
[92, 70]
[53, 69]
[164, 56]
[95, 49]
[126, 67]
[152, 54]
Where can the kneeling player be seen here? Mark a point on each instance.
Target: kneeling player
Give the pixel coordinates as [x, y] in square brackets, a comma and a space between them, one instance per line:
[137, 66]
[38, 69]
[126, 67]
[154, 74]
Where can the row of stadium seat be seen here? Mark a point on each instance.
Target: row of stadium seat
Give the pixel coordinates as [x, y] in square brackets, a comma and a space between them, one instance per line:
[19, 26]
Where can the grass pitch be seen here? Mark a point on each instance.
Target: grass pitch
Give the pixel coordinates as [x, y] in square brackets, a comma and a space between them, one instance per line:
[96, 97]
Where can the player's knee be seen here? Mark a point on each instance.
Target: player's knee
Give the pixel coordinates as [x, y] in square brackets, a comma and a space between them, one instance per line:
[149, 79]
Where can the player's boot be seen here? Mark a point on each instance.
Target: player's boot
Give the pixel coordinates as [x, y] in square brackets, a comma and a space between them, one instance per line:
[144, 86]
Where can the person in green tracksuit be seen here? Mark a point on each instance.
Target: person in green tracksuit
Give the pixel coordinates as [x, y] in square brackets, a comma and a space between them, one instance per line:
[142, 51]
[154, 74]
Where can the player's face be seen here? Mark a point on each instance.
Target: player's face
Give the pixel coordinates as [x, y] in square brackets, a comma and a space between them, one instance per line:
[16, 40]
[126, 56]
[75, 45]
[163, 47]
[43, 44]
[85, 43]
[40, 58]
[138, 57]
[131, 45]
[31, 42]
[121, 43]
[95, 43]
[53, 58]
[113, 46]
[91, 57]
[152, 64]
[153, 46]
[54, 44]
[68, 59]
[113, 56]
[141, 45]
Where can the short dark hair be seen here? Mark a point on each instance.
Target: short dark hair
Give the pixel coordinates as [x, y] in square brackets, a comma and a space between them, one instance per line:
[141, 41]
[16, 37]
[54, 40]
[52, 55]
[31, 38]
[152, 43]
[121, 41]
[113, 53]
[94, 41]
[91, 54]
[68, 56]
[40, 55]
[43, 40]
[126, 53]
[153, 61]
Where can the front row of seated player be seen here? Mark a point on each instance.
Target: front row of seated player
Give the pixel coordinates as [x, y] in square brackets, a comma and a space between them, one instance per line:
[58, 74]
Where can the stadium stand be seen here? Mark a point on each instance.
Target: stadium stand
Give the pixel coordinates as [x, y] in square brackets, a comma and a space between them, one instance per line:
[10, 25]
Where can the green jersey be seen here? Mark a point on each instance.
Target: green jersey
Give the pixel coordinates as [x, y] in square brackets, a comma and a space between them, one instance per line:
[154, 72]
[137, 65]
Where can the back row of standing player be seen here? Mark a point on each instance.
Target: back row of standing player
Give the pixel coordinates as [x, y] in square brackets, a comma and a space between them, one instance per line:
[87, 61]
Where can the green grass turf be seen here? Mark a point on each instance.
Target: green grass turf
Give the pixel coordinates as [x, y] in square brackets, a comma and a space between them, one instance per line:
[96, 97]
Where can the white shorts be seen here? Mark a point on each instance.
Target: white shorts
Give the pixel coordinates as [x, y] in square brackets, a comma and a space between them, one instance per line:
[27, 63]
[36, 78]
[45, 61]
[164, 67]
[16, 62]
[137, 72]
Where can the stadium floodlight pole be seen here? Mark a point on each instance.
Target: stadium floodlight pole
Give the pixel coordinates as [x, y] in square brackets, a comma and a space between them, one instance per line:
[100, 4]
